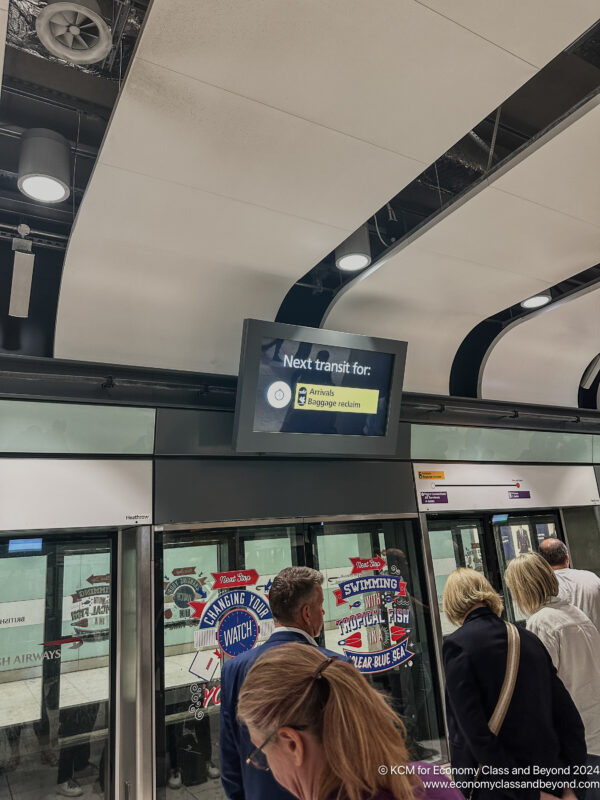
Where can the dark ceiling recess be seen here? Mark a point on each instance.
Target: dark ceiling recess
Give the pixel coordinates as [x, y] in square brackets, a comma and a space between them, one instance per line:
[470, 357]
[40, 90]
[557, 89]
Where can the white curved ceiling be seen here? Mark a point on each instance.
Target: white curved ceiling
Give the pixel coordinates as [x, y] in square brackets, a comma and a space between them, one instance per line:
[251, 138]
[543, 359]
[536, 225]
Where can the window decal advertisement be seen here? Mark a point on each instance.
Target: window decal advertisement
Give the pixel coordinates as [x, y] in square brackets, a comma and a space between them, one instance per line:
[375, 628]
[86, 606]
[225, 610]
[231, 624]
[181, 593]
[212, 612]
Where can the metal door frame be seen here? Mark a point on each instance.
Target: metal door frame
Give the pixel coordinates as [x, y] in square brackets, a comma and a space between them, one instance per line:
[134, 689]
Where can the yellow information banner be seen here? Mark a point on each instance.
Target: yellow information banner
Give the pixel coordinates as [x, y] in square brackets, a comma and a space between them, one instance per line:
[342, 399]
[431, 475]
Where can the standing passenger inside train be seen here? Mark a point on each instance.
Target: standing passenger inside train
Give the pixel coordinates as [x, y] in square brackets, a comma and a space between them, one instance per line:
[577, 586]
[571, 639]
[506, 715]
[325, 733]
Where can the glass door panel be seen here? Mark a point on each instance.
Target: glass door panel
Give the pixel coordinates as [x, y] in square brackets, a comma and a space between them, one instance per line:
[455, 543]
[376, 613]
[515, 535]
[583, 531]
[201, 626]
[213, 606]
[190, 663]
[268, 553]
[55, 598]
[334, 554]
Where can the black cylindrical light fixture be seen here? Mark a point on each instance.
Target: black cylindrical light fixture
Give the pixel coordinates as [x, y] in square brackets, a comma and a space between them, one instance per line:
[44, 166]
[355, 252]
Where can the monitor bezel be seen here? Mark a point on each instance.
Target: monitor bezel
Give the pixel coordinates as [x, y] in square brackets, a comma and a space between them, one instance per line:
[246, 440]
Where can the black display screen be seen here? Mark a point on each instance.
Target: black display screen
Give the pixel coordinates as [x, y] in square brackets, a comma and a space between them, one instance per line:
[305, 387]
[313, 391]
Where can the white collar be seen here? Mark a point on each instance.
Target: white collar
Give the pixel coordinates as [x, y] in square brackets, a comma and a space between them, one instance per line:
[285, 629]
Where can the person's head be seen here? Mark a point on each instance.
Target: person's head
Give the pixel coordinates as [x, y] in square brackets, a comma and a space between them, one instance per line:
[465, 590]
[321, 727]
[531, 581]
[396, 561]
[555, 553]
[296, 599]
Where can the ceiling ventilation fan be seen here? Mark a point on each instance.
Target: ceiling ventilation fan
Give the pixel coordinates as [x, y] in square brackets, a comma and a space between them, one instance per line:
[74, 30]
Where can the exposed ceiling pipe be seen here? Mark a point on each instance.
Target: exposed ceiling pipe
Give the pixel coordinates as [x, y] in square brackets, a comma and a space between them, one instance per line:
[34, 232]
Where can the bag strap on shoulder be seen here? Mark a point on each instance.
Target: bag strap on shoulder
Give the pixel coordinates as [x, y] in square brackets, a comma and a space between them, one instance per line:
[506, 692]
[510, 678]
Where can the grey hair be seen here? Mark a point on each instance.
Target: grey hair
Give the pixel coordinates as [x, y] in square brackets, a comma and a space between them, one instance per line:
[292, 588]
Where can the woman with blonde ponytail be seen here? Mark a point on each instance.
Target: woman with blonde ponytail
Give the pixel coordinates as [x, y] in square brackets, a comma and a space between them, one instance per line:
[325, 733]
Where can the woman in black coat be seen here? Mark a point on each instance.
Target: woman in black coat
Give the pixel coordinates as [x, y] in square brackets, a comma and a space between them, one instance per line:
[542, 737]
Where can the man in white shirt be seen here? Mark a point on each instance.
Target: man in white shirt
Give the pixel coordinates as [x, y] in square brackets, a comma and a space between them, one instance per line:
[578, 586]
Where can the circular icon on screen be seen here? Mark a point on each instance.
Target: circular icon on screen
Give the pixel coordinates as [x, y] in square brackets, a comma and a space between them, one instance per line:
[279, 394]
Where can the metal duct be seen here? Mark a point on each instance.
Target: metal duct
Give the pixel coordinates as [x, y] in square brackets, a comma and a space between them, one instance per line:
[74, 30]
[21, 35]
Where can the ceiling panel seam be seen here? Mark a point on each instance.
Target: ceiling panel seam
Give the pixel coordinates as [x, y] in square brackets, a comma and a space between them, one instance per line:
[473, 33]
[546, 207]
[345, 231]
[505, 271]
[478, 35]
[283, 111]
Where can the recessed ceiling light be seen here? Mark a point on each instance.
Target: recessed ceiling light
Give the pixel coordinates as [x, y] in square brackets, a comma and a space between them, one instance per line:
[353, 262]
[537, 301]
[355, 252]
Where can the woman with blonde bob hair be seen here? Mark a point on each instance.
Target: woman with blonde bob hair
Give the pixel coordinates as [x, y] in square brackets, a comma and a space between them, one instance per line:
[540, 725]
[569, 636]
[465, 590]
[325, 733]
[532, 583]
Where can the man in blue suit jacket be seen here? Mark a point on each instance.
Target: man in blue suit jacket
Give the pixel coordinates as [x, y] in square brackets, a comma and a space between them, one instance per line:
[296, 600]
